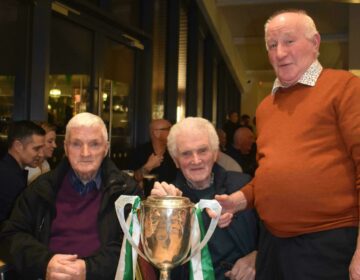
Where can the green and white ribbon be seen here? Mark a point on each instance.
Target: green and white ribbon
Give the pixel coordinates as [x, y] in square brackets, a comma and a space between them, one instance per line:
[200, 264]
[200, 259]
[128, 254]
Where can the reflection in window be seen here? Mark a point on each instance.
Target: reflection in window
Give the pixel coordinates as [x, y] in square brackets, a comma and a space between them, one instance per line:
[159, 50]
[116, 88]
[6, 100]
[180, 114]
[67, 97]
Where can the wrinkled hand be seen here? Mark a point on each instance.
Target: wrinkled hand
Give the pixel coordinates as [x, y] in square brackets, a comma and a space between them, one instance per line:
[244, 268]
[164, 189]
[227, 211]
[230, 204]
[66, 267]
[354, 269]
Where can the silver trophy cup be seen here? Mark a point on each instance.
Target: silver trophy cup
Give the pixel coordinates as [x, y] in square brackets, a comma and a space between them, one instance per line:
[166, 225]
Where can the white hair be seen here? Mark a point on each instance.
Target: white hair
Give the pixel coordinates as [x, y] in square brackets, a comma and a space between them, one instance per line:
[86, 119]
[309, 24]
[190, 125]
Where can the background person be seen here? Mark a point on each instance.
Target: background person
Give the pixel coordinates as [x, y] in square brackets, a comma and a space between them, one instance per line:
[224, 160]
[64, 226]
[245, 121]
[153, 157]
[243, 150]
[194, 144]
[306, 188]
[230, 126]
[50, 145]
[25, 142]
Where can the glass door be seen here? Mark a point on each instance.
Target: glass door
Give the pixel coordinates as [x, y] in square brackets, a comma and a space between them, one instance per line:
[92, 70]
[115, 98]
[71, 57]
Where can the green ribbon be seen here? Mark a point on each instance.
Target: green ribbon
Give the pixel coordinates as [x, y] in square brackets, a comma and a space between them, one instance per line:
[206, 261]
[128, 273]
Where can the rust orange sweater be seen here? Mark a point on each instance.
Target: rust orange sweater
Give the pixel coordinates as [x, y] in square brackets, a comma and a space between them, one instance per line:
[309, 156]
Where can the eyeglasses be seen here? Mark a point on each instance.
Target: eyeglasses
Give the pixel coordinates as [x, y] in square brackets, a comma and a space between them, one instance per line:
[163, 128]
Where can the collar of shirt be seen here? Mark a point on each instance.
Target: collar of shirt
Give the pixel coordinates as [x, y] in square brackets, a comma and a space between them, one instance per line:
[191, 186]
[84, 188]
[309, 78]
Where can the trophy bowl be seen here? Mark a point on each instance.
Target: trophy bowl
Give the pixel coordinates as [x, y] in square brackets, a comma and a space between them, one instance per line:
[167, 229]
[165, 235]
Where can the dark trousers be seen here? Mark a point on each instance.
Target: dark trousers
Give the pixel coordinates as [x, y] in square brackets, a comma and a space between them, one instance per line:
[315, 256]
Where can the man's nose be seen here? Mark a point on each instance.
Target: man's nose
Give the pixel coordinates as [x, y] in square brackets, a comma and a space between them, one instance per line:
[281, 51]
[84, 150]
[195, 158]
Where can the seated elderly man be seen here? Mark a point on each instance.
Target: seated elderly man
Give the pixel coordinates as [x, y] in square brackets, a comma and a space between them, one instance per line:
[193, 144]
[64, 225]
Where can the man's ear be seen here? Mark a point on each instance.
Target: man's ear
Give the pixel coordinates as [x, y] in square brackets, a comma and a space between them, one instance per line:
[65, 148]
[176, 162]
[216, 155]
[107, 148]
[18, 145]
[316, 40]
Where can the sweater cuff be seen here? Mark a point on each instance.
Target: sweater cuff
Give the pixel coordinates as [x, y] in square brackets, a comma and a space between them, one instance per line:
[248, 192]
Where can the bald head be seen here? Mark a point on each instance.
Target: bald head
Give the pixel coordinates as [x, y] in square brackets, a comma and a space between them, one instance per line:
[243, 140]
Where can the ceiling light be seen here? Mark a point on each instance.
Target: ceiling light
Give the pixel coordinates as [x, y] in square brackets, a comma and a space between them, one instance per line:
[55, 92]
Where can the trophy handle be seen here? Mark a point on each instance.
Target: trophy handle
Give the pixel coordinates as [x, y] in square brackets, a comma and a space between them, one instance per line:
[215, 206]
[120, 204]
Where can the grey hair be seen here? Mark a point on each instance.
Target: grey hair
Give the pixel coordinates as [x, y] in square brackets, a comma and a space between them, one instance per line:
[309, 24]
[188, 126]
[86, 119]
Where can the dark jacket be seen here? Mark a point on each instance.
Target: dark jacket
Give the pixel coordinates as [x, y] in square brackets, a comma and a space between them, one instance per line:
[28, 228]
[165, 172]
[247, 162]
[233, 242]
[13, 180]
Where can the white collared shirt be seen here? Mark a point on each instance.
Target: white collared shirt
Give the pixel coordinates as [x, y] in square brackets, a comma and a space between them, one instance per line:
[309, 78]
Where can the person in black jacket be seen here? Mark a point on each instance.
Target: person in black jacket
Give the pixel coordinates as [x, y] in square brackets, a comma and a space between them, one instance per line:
[153, 157]
[194, 144]
[64, 225]
[25, 141]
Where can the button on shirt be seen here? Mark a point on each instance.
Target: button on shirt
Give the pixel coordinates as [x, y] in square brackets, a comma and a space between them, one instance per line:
[309, 78]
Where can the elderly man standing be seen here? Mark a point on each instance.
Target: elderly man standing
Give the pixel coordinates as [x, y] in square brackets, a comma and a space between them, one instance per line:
[194, 144]
[64, 226]
[306, 188]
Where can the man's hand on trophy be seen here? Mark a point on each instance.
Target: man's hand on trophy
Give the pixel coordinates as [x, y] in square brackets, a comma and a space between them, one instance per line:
[165, 189]
[212, 215]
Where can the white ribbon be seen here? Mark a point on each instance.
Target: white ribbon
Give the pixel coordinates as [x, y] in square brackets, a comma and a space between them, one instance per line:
[135, 238]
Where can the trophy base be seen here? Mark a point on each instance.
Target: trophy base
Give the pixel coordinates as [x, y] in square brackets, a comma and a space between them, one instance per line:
[164, 274]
